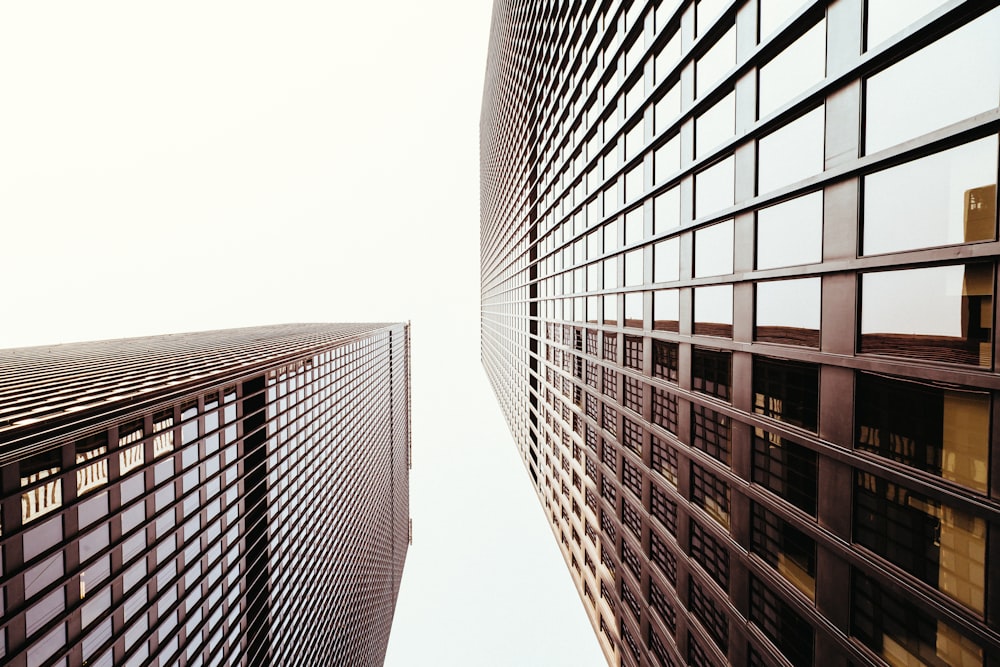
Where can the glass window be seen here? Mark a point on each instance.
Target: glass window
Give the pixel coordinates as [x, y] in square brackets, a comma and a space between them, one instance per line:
[944, 431]
[714, 188]
[706, 12]
[801, 65]
[667, 159]
[952, 79]
[633, 310]
[945, 198]
[41, 537]
[667, 210]
[716, 62]
[633, 226]
[711, 432]
[611, 236]
[903, 632]
[711, 494]
[610, 309]
[667, 107]
[711, 372]
[715, 125]
[40, 476]
[939, 544]
[36, 578]
[887, 17]
[711, 616]
[785, 548]
[712, 556]
[792, 152]
[664, 461]
[713, 311]
[611, 272]
[788, 311]
[713, 250]
[785, 468]
[787, 391]
[791, 633]
[773, 13]
[92, 464]
[665, 360]
[666, 261]
[633, 267]
[941, 313]
[634, 182]
[666, 310]
[791, 233]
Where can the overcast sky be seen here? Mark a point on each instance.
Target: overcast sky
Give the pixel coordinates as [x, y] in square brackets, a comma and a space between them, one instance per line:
[180, 166]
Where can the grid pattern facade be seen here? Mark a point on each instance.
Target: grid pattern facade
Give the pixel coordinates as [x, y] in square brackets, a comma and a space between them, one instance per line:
[236, 497]
[773, 222]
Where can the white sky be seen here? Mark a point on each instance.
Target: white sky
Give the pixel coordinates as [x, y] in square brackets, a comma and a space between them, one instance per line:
[182, 166]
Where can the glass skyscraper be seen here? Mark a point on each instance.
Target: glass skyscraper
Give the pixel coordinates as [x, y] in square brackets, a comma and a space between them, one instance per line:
[235, 497]
[738, 276]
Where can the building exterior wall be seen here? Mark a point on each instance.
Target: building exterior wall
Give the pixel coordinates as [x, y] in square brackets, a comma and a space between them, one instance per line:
[226, 498]
[738, 278]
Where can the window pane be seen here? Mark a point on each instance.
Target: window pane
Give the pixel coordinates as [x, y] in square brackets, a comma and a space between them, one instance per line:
[713, 311]
[666, 261]
[714, 188]
[945, 198]
[788, 311]
[954, 78]
[942, 313]
[791, 153]
[719, 59]
[666, 310]
[667, 159]
[715, 125]
[667, 210]
[786, 469]
[633, 267]
[887, 17]
[787, 391]
[791, 633]
[713, 250]
[940, 430]
[669, 106]
[791, 232]
[801, 65]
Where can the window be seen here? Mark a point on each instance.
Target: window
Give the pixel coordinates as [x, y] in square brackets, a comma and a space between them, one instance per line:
[711, 494]
[773, 13]
[663, 606]
[666, 310]
[41, 483]
[711, 372]
[633, 397]
[788, 311]
[944, 431]
[715, 126]
[666, 260]
[787, 391]
[791, 233]
[632, 478]
[713, 250]
[940, 545]
[719, 59]
[942, 199]
[952, 79]
[667, 210]
[940, 313]
[792, 152]
[711, 432]
[785, 548]
[92, 463]
[798, 67]
[709, 554]
[714, 187]
[712, 618]
[667, 160]
[633, 352]
[713, 311]
[663, 558]
[631, 520]
[886, 17]
[786, 469]
[665, 410]
[664, 460]
[663, 510]
[899, 630]
[791, 633]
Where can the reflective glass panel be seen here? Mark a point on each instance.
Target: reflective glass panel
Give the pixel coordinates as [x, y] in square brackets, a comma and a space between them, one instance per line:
[775, 12]
[667, 107]
[791, 153]
[791, 232]
[633, 267]
[719, 59]
[945, 198]
[954, 78]
[713, 310]
[714, 187]
[715, 125]
[666, 310]
[713, 250]
[887, 17]
[667, 159]
[801, 65]
[611, 272]
[788, 311]
[633, 226]
[942, 313]
[633, 309]
[666, 260]
[706, 12]
[667, 210]
[610, 308]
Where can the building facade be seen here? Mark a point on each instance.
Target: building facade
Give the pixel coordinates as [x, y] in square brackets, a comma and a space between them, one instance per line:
[738, 296]
[235, 497]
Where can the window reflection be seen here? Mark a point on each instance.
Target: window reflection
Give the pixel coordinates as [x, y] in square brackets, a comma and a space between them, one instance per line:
[611, 309]
[940, 430]
[798, 67]
[791, 153]
[954, 78]
[713, 250]
[713, 311]
[887, 17]
[667, 210]
[942, 313]
[633, 310]
[945, 198]
[788, 311]
[714, 188]
[791, 232]
[667, 159]
[775, 12]
[715, 125]
[633, 267]
[666, 310]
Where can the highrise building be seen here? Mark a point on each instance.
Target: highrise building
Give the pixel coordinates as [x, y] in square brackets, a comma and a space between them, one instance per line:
[738, 300]
[235, 497]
